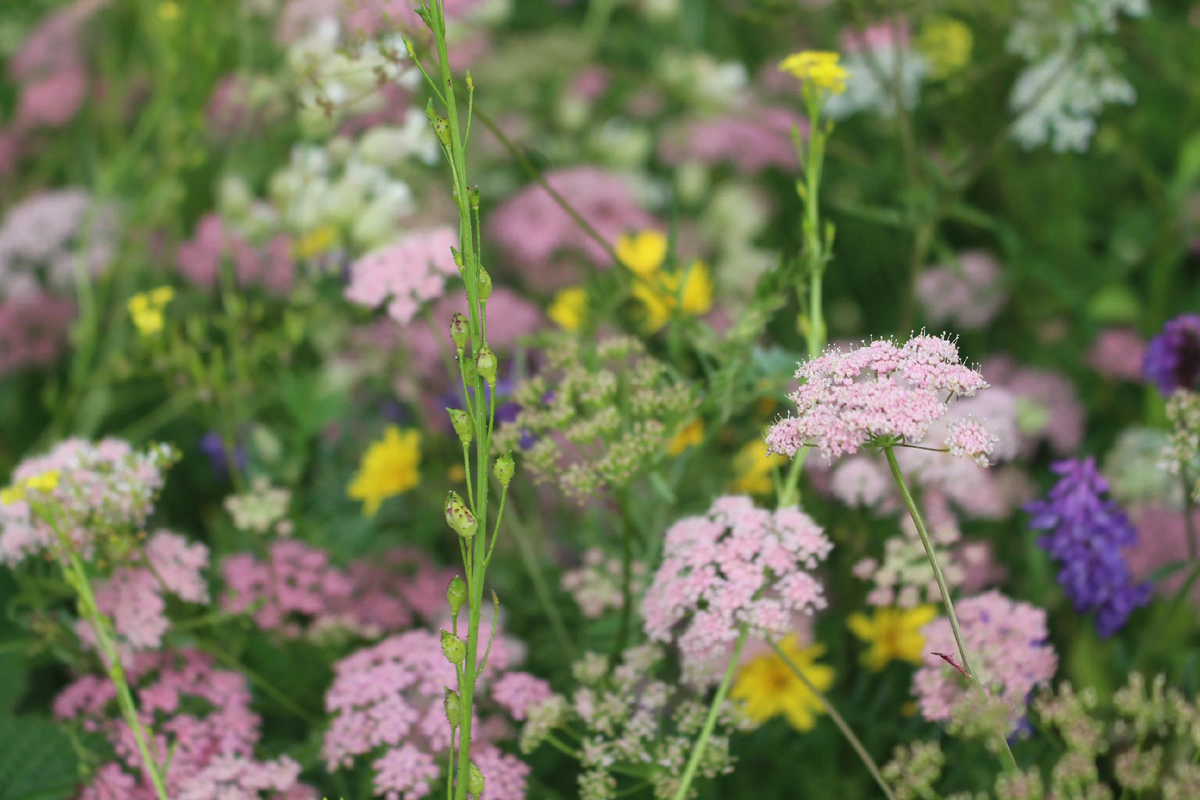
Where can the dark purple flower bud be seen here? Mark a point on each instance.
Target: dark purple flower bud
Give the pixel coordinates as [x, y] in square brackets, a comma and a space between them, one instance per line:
[213, 446]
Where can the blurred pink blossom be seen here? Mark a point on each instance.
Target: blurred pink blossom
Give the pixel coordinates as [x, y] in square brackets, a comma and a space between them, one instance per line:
[1162, 540]
[751, 140]
[966, 293]
[1047, 406]
[590, 83]
[33, 330]
[199, 258]
[1117, 354]
[51, 101]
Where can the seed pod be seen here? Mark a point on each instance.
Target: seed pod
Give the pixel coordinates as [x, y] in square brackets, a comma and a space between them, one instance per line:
[485, 284]
[453, 706]
[459, 330]
[456, 594]
[459, 517]
[464, 426]
[486, 364]
[503, 469]
[454, 648]
[474, 780]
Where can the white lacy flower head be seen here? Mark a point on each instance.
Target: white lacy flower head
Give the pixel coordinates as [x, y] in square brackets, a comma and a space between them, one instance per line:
[877, 53]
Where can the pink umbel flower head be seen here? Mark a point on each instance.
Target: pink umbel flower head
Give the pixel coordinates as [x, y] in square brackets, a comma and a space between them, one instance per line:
[103, 488]
[880, 390]
[409, 273]
[33, 329]
[1117, 354]
[517, 692]
[1006, 640]
[736, 565]
[752, 140]
[133, 598]
[387, 704]
[966, 293]
[198, 714]
[199, 258]
[1047, 406]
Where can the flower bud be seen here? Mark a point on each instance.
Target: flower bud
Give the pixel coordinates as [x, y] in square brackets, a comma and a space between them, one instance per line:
[485, 284]
[485, 364]
[441, 125]
[459, 330]
[503, 469]
[456, 594]
[459, 517]
[474, 780]
[453, 707]
[473, 197]
[454, 648]
[463, 425]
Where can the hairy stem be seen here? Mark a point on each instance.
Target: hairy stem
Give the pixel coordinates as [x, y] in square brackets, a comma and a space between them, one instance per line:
[838, 720]
[710, 722]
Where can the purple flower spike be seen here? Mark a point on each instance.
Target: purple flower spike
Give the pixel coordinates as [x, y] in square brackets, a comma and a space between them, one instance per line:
[1086, 534]
[1172, 359]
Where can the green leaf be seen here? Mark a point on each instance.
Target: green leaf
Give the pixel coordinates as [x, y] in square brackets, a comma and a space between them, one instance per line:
[1165, 571]
[37, 761]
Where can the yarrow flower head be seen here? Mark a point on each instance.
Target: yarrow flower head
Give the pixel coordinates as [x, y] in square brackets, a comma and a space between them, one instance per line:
[1086, 534]
[387, 705]
[817, 68]
[410, 273]
[101, 493]
[1007, 642]
[735, 566]
[198, 714]
[878, 392]
[1172, 359]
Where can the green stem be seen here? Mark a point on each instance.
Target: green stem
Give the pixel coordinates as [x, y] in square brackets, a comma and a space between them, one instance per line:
[1189, 506]
[940, 576]
[529, 560]
[710, 722]
[626, 576]
[872, 767]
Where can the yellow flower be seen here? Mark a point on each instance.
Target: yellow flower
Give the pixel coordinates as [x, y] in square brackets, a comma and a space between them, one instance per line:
[894, 634]
[389, 467]
[456, 474]
[643, 252]
[819, 68]
[946, 42]
[768, 687]
[569, 308]
[46, 482]
[12, 494]
[145, 308]
[662, 297]
[315, 242]
[168, 12]
[691, 435]
[753, 467]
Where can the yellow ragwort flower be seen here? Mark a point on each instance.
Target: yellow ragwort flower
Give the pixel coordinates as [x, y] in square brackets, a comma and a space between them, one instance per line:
[145, 308]
[768, 687]
[894, 634]
[569, 308]
[946, 43]
[389, 467]
[753, 465]
[690, 435]
[314, 243]
[643, 253]
[819, 68]
[662, 297]
[12, 494]
[45, 482]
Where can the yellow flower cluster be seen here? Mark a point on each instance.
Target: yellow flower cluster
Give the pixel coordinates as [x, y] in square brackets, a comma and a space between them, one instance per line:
[767, 686]
[146, 309]
[569, 308]
[752, 466]
[894, 634]
[690, 435]
[45, 482]
[663, 294]
[389, 467]
[817, 68]
[315, 243]
[946, 43]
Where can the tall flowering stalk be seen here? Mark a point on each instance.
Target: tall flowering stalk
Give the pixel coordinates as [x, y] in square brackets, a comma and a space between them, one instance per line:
[476, 421]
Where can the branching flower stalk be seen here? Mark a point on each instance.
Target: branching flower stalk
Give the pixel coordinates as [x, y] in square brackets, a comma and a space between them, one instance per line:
[820, 76]
[476, 424]
[77, 578]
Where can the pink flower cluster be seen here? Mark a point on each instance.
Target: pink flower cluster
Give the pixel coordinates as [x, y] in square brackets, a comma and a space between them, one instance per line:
[596, 586]
[532, 228]
[387, 702]
[42, 234]
[966, 293]
[752, 140]
[33, 329]
[1047, 408]
[1117, 353]
[298, 590]
[736, 565]
[270, 266]
[410, 273]
[103, 488]
[1162, 540]
[517, 692]
[133, 597]
[879, 390]
[212, 752]
[51, 71]
[1006, 640]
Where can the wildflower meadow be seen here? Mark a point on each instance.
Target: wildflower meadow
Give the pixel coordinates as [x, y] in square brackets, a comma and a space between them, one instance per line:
[598, 399]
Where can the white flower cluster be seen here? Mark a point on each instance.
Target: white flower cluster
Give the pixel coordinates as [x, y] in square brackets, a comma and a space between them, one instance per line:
[1070, 77]
[864, 89]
